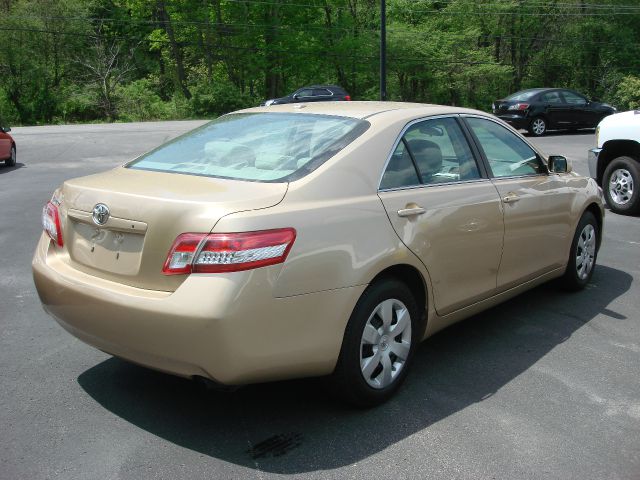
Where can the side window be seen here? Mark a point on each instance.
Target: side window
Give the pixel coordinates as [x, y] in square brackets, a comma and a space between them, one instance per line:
[321, 92]
[400, 171]
[573, 99]
[441, 152]
[551, 97]
[507, 154]
[305, 93]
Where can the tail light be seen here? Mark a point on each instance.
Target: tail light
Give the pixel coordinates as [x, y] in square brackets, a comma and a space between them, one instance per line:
[228, 252]
[519, 106]
[51, 223]
[347, 98]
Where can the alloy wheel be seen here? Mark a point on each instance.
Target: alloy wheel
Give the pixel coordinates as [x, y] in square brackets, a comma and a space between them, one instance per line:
[586, 251]
[385, 343]
[621, 186]
[538, 126]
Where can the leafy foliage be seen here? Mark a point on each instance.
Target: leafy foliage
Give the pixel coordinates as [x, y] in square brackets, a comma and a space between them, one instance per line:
[86, 60]
[628, 93]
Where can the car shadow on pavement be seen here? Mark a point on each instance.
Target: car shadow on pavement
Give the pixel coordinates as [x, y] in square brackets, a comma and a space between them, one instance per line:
[296, 426]
[5, 169]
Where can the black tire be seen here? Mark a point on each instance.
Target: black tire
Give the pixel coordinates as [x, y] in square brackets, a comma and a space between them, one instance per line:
[11, 161]
[538, 126]
[625, 173]
[573, 280]
[348, 378]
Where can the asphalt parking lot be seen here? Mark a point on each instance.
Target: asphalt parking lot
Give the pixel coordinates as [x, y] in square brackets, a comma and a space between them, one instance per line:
[544, 386]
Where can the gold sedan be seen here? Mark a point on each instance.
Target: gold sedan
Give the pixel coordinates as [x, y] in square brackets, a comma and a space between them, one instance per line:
[311, 239]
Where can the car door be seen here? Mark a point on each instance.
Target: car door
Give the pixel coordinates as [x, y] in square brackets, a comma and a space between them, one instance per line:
[303, 95]
[322, 95]
[579, 112]
[536, 203]
[445, 210]
[5, 145]
[556, 110]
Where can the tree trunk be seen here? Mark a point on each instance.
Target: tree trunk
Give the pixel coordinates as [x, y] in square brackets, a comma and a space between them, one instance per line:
[208, 43]
[342, 78]
[271, 78]
[176, 50]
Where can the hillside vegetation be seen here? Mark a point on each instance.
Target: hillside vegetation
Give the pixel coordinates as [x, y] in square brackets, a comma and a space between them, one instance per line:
[123, 60]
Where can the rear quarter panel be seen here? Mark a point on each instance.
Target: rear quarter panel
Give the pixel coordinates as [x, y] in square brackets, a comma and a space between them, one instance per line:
[344, 237]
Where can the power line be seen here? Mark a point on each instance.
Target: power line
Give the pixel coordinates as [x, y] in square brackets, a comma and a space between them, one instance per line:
[533, 4]
[239, 26]
[356, 58]
[481, 37]
[160, 22]
[254, 49]
[450, 2]
[627, 10]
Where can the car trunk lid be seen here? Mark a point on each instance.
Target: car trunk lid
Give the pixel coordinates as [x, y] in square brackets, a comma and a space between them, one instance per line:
[147, 211]
[501, 106]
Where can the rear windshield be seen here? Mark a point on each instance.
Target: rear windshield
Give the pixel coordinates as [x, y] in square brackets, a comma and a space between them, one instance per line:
[265, 147]
[523, 95]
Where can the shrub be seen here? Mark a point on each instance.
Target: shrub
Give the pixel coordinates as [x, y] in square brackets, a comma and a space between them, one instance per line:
[214, 99]
[138, 102]
[627, 96]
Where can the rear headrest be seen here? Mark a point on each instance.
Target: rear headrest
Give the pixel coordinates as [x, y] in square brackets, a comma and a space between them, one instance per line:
[427, 154]
[430, 148]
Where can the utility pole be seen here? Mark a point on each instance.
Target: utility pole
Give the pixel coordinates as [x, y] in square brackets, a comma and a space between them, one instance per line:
[383, 50]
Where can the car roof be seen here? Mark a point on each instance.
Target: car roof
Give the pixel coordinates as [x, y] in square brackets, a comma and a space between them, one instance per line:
[363, 110]
[546, 89]
[320, 86]
[536, 90]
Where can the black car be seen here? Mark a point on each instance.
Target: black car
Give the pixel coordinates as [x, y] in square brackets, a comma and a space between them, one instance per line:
[313, 93]
[540, 109]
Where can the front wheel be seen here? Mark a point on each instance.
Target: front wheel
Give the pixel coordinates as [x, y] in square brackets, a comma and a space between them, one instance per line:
[11, 161]
[538, 127]
[584, 250]
[378, 345]
[621, 184]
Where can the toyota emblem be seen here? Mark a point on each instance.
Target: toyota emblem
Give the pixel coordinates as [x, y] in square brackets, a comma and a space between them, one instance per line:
[100, 214]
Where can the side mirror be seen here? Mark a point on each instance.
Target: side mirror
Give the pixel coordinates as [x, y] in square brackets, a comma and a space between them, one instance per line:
[559, 164]
[296, 96]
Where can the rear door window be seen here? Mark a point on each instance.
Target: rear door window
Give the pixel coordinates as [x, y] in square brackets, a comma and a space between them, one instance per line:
[431, 152]
[305, 93]
[321, 92]
[441, 151]
[573, 99]
[551, 97]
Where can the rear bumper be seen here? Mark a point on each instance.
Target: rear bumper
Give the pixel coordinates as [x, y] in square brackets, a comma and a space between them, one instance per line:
[592, 160]
[229, 327]
[516, 121]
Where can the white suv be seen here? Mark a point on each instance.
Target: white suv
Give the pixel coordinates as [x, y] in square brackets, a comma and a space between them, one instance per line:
[615, 163]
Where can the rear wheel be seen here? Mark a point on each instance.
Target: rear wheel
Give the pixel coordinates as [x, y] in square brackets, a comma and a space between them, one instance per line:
[621, 185]
[538, 126]
[378, 345]
[11, 161]
[584, 250]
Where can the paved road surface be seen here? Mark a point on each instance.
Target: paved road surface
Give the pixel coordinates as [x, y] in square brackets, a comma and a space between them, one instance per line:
[545, 386]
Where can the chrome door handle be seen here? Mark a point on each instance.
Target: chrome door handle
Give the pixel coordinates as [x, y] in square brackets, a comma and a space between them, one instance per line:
[510, 198]
[408, 212]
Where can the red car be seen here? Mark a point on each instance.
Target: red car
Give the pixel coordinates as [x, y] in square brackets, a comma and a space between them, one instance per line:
[7, 147]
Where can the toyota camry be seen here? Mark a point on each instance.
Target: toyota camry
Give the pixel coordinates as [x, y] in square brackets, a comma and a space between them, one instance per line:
[311, 240]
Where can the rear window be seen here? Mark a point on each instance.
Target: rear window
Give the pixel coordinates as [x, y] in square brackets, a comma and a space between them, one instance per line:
[523, 95]
[266, 147]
